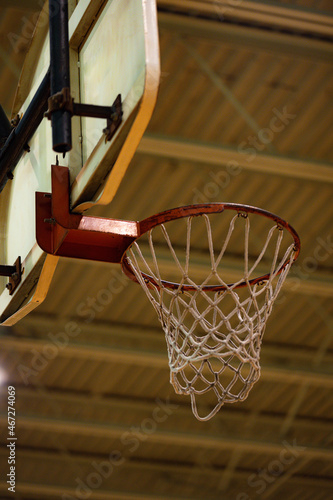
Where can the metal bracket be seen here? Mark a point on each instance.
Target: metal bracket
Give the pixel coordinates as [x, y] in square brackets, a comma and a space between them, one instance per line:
[63, 101]
[14, 123]
[60, 100]
[14, 273]
[63, 233]
[6, 128]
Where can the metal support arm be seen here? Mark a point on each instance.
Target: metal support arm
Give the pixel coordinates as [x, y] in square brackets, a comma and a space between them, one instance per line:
[63, 101]
[14, 273]
[17, 140]
[60, 232]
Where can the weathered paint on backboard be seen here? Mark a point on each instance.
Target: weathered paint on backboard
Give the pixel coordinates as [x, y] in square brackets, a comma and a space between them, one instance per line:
[113, 49]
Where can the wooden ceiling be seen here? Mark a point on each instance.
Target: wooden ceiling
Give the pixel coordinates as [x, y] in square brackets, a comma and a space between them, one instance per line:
[93, 400]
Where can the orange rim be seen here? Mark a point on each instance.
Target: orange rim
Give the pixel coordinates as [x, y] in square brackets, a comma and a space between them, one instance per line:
[201, 209]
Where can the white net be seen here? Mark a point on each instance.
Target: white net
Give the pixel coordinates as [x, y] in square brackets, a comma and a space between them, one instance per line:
[213, 329]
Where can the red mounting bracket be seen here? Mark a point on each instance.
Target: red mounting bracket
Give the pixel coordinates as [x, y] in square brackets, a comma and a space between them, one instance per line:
[60, 232]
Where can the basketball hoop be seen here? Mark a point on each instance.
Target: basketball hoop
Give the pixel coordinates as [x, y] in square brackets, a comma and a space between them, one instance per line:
[213, 328]
[212, 309]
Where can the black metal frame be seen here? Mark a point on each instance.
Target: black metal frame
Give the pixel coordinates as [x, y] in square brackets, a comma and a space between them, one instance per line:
[14, 273]
[61, 104]
[59, 73]
[19, 137]
[5, 127]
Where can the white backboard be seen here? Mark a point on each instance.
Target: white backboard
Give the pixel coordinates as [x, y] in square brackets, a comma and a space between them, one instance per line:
[113, 50]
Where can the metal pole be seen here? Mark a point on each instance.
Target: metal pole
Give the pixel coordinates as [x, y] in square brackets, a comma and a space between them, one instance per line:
[60, 78]
[14, 146]
[7, 270]
[5, 127]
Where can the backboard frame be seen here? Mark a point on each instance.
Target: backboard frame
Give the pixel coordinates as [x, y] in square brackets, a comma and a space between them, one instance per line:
[38, 268]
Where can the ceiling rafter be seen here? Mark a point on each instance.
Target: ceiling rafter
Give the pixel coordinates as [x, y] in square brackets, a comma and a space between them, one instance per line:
[125, 332]
[293, 18]
[141, 467]
[216, 155]
[170, 436]
[62, 400]
[264, 40]
[59, 491]
[158, 359]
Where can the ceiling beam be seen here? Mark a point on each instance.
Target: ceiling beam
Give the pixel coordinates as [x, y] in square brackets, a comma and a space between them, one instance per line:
[110, 405]
[247, 36]
[140, 467]
[216, 155]
[26, 488]
[170, 436]
[124, 334]
[141, 356]
[272, 14]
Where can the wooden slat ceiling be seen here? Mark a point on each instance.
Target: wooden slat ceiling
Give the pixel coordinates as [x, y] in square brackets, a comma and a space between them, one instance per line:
[221, 86]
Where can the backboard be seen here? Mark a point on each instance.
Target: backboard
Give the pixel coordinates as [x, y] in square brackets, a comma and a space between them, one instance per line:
[113, 50]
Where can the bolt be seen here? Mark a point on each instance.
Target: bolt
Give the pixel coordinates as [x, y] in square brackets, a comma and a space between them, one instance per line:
[15, 121]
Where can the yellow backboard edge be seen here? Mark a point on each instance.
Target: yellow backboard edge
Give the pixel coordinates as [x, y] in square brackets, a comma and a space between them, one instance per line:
[40, 293]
